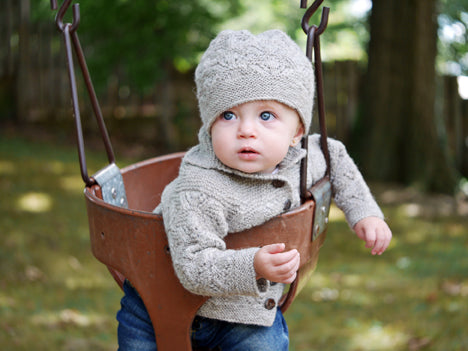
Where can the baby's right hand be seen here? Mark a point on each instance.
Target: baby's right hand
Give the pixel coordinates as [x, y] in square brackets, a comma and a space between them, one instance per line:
[272, 263]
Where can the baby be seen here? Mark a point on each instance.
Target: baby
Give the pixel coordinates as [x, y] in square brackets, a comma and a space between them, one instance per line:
[255, 96]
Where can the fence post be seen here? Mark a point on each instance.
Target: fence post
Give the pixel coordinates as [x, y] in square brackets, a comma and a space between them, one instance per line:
[464, 129]
[342, 80]
[453, 118]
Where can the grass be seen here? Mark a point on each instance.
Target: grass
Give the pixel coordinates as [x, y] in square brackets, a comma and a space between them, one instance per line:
[55, 296]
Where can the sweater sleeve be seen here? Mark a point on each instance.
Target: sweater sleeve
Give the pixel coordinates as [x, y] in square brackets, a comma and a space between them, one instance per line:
[350, 191]
[195, 225]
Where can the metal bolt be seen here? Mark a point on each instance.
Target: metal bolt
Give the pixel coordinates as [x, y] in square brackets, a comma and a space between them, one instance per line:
[114, 193]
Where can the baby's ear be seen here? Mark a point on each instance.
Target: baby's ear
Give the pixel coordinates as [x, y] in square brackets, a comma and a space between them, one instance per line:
[300, 131]
[298, 136]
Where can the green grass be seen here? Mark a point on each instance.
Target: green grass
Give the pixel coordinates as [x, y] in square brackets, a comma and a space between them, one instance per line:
[55, 296]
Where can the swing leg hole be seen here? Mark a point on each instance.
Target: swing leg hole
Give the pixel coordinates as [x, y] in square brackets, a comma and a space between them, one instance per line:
[103, 236]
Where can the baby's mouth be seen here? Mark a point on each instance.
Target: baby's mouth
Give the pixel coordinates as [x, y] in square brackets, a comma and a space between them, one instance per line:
[248, 150]
[248, 154]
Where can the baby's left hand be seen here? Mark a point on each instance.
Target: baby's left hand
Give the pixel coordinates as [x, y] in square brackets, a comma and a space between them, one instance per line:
[375, 232]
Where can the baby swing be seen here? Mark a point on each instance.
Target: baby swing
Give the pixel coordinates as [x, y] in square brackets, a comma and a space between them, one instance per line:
[131, 241]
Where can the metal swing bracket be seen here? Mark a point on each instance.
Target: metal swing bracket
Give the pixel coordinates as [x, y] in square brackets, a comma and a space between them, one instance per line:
[109, 178]
[112, 185]
[321, 193]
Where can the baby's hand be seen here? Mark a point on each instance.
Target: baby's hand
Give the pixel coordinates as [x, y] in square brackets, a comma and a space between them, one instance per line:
[272, 263]
[375, 232]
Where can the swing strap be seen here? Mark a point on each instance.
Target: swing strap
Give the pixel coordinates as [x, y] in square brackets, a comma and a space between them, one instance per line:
[313, 46]
[72, 43]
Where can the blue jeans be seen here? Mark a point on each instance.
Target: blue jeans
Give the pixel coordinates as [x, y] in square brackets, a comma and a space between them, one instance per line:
[135, 330]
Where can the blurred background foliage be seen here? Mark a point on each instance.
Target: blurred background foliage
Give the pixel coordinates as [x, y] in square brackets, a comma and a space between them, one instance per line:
[141, 39]
[179, 32]
[453, 37]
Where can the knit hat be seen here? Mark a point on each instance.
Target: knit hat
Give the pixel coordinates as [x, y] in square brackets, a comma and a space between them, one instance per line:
[239, 67]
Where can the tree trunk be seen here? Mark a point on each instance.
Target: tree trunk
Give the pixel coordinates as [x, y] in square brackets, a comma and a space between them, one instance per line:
[400, 139]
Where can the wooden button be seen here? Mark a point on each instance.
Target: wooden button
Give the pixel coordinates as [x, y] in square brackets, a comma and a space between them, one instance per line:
[278, 183]
[262, 284]
[270, 304]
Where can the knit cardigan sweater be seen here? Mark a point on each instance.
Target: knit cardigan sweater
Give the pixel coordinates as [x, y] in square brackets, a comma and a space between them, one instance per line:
[208, 200]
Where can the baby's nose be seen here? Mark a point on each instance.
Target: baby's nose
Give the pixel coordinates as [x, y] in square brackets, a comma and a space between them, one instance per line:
[246, 128]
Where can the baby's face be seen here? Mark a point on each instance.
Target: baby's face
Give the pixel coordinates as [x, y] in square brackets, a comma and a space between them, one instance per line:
[255, 136]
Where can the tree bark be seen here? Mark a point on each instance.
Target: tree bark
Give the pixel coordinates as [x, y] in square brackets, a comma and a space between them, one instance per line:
[400, 139]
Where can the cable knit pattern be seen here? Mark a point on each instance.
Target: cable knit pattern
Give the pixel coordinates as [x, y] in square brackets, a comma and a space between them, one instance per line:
[239, 67]
[209, 200]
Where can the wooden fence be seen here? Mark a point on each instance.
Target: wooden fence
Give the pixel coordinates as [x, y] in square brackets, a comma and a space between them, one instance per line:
[33, 79]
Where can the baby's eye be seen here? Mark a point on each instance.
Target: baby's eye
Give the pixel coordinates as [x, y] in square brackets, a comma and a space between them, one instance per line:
[266, 116]
[228, 115]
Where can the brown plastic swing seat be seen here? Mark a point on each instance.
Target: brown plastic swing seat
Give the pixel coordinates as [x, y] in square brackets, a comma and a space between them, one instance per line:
[132, 244]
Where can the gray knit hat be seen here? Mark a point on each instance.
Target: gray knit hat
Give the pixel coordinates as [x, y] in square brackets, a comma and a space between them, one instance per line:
[239, 67]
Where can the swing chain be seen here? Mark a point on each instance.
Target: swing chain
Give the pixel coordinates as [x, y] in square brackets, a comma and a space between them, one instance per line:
[69, 31]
